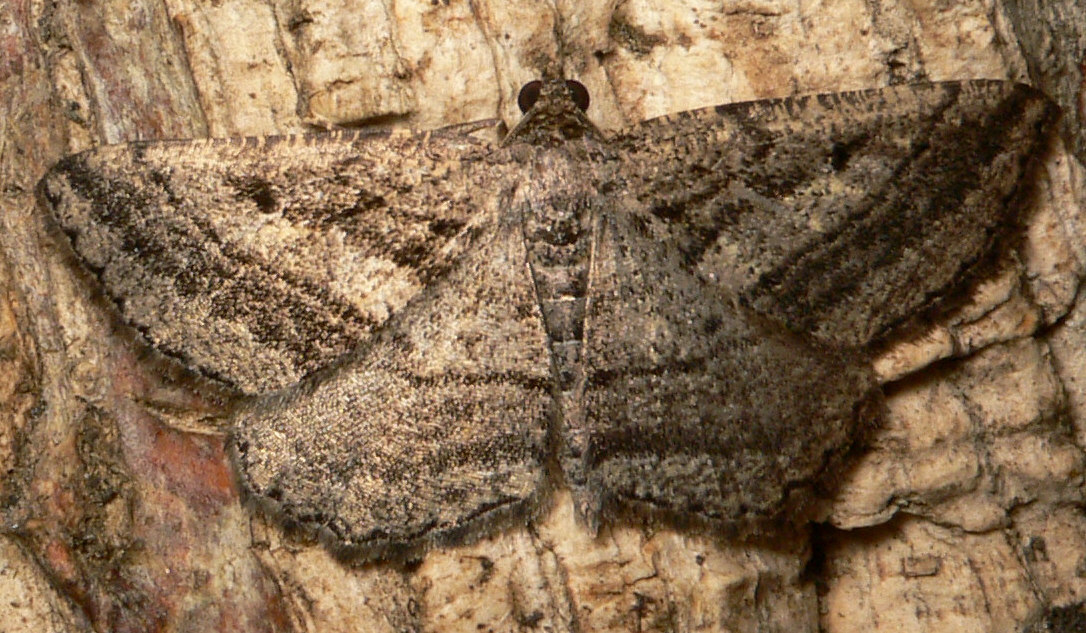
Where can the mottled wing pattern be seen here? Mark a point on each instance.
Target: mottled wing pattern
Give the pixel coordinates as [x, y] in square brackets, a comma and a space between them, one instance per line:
[842, 215]
[257, 261]
[696, 406]
[436, 426]
[707, 335]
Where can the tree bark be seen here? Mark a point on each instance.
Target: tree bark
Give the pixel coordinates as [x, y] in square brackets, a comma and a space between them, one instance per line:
[120, 509]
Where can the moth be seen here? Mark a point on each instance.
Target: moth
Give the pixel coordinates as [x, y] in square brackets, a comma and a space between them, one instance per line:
[431, 331]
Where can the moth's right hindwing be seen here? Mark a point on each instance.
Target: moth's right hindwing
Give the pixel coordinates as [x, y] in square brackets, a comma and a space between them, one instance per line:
[698, 407]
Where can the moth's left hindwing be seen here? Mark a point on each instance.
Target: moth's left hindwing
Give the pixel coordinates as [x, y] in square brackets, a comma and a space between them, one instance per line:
[257, 261]
[434, 427]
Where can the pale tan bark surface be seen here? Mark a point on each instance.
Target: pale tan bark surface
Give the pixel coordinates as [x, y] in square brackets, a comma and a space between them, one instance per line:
[119, 507]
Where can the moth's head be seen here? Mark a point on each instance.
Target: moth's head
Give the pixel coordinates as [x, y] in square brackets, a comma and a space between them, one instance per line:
[554, 113]
[559, 90]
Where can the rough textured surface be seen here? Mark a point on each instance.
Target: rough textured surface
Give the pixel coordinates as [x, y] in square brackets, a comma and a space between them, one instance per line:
[1053, 40]
[909, 567]
[76, 75]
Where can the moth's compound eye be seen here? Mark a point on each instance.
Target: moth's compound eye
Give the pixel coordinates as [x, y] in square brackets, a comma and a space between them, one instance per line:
[578, 93]
[529, 94]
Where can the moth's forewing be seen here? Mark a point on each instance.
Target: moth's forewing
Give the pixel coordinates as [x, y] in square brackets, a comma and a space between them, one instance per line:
[257, 261]
[845, 215]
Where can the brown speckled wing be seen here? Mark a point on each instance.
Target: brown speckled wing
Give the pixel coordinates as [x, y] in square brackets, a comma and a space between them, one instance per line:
[257, 261]
[698, 407]
[842, 215]
[434, 428]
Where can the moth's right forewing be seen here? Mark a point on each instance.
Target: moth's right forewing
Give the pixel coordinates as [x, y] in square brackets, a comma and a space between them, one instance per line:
[257, 261]
[844, 215]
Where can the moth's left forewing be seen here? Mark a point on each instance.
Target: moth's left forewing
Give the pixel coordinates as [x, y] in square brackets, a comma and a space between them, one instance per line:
[843, 215]
[257, 261]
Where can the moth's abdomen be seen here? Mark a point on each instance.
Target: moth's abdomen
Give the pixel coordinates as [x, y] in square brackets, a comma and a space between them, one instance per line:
[560, 274]
[558, 237]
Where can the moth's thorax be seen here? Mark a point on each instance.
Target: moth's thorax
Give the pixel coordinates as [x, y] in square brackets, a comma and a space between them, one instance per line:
[556, 205]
